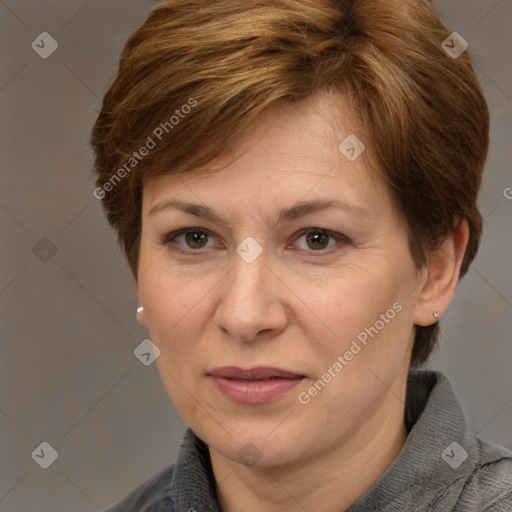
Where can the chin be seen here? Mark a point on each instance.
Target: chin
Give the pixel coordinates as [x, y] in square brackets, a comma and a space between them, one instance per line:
[258, 446]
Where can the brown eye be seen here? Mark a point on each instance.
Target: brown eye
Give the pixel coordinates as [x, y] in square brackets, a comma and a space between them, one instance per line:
[320, 241]
[188, 239]
[195, 239]
[317, 240]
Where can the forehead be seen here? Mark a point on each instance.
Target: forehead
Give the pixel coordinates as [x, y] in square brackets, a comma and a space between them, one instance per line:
[316, 148]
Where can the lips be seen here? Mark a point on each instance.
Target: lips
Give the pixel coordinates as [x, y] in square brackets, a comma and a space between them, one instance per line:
[254, 385]
[261, 373]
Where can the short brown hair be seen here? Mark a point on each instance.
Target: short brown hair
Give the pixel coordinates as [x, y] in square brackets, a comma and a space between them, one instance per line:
[425, 111]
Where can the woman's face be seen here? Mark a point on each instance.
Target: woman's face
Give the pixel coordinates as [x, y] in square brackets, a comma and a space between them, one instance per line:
[319, 302]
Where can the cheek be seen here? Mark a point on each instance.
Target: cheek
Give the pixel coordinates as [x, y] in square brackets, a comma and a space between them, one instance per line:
[174, 314]
[170, 298]
[365, 313]
[352, 298]
[369, 327]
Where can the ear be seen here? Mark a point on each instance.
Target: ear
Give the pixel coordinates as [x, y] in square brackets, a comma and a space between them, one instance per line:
[443, 269]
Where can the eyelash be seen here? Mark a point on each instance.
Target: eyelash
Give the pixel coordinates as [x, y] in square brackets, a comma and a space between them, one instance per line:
[170, 237]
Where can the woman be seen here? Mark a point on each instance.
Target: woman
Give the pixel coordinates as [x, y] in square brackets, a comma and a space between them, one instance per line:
[294, 184]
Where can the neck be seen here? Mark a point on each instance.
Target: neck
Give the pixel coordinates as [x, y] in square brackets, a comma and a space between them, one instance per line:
[336, 479]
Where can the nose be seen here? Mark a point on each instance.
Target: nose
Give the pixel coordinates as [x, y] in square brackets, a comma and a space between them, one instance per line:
[251, 304]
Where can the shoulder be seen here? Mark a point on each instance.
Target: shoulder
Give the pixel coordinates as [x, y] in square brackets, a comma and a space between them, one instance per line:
[188, 484]
[488, 488]
[450, 468]
[148, 495]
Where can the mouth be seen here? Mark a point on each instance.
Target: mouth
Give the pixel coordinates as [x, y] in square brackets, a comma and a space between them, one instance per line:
[254, 385]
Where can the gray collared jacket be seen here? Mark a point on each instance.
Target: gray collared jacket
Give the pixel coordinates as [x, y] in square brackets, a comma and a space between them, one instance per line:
[441, 468]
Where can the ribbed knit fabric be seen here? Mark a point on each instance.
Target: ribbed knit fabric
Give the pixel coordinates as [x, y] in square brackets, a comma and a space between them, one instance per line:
[430, 474]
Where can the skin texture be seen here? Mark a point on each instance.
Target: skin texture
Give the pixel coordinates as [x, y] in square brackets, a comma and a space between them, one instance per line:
[298, 307]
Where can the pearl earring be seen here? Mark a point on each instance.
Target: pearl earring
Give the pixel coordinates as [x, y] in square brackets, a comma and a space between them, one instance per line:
[436, 314]
[140, 309]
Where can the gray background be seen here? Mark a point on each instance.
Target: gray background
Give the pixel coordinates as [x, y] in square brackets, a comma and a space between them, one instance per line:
[68, 373]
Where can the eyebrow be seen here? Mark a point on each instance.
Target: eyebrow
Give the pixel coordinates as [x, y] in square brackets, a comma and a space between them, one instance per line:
[300, 209]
